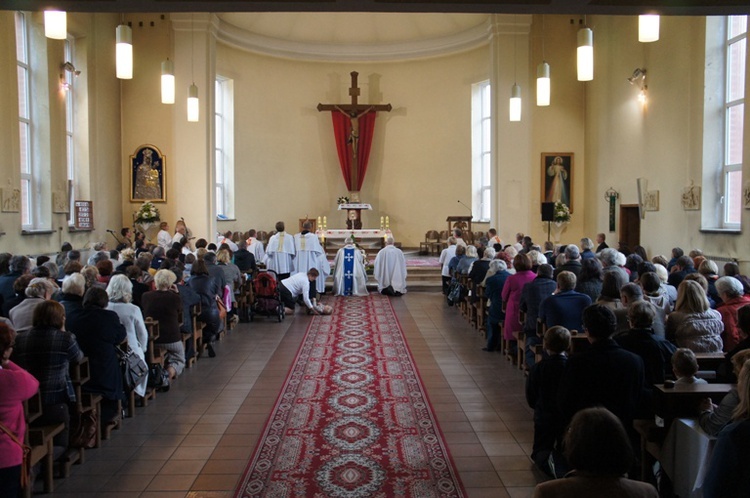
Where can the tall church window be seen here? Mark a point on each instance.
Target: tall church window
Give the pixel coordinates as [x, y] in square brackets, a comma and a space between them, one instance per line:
[734, 115]
[481, 151]
[224, 148]
[25, 122]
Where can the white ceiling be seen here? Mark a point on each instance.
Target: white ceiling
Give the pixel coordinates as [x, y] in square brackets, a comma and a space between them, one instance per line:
[342, 29]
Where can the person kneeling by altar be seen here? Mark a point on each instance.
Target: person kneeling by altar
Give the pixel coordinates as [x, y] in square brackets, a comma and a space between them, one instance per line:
[299, 285]
[390, 269]
[349, 275]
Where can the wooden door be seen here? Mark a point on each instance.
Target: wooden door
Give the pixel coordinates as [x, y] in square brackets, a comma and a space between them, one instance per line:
[630, 225]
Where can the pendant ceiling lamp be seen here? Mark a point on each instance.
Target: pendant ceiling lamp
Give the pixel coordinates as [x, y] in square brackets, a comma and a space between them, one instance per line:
[55, 24]
[167, 82]
[124, 52]
[514, 113]
[542, 78]
[648, 28]
[585, 54]
[193, 104]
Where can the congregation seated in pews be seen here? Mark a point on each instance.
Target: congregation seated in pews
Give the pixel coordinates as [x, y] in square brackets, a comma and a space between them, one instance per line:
[654, 324]
[78, 324]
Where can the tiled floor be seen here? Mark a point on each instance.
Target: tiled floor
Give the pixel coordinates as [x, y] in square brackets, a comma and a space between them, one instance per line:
[195, 440]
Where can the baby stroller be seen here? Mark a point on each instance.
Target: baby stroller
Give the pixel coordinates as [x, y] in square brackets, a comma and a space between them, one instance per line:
[267, 296]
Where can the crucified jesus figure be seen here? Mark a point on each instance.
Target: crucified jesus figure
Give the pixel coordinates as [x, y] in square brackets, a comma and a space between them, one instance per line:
[354, 135]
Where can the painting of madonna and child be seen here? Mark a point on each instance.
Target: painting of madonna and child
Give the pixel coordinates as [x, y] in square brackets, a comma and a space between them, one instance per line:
[557, 178]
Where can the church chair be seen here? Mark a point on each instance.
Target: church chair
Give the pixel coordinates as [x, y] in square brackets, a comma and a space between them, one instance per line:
[443, 240]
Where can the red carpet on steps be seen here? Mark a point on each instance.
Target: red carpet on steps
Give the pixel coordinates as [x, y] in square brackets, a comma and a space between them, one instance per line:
[353, 419]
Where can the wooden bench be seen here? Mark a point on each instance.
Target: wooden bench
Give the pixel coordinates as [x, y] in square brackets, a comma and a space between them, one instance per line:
[40, 439]
[198, 327]
[80, 373]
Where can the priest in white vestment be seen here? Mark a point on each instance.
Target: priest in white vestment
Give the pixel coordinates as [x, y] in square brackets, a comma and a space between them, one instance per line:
[349, 275]
[280, 252]
[390, 269]
[310, 254]
[255, 246]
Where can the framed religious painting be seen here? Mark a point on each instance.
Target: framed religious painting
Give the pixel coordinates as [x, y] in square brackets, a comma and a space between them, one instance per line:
[148, 175]
[557, 178]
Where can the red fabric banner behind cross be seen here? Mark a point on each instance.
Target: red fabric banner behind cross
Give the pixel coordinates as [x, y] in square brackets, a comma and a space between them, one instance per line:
[342, 127]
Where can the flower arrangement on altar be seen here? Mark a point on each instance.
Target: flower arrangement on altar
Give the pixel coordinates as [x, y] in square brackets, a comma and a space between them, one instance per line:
[561, 213]
[342, 200]
[147, 213]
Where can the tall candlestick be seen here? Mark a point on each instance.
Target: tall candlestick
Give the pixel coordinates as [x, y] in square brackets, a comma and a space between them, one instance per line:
[387, 221]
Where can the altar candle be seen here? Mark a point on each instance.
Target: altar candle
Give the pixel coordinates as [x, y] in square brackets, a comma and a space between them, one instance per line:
[325, 222]
[387, 221]
[381, 221]
[320, 225]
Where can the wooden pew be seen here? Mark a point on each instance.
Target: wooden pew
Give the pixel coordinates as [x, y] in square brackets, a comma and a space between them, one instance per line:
[153, 356]
[40, 439]
[198, 326]
[85, 402]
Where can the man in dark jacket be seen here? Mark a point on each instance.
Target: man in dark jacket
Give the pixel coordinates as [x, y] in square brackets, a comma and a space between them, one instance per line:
[532, 295]
[604, 375]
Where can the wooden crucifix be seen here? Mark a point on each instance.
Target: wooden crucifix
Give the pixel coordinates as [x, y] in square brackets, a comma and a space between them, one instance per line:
[354, 111]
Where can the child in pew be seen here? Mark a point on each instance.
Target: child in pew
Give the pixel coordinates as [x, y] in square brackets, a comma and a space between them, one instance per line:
[685, 366]
[541, 395]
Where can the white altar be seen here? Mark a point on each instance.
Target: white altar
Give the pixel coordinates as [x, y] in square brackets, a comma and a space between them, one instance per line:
[367, 238]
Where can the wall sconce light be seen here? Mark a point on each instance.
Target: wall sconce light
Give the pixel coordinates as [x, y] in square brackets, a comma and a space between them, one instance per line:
[55, 24]
[639, 79]
[70, 68]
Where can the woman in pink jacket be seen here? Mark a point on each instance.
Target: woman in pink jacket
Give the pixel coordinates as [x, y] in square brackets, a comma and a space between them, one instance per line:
[16, 385]
[512, 299]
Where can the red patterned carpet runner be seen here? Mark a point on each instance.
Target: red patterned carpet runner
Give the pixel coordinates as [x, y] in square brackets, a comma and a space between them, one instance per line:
[352, 419]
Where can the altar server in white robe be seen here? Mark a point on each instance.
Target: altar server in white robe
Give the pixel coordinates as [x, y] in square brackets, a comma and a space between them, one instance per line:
[349, 275]
[390, 269]
[280, 252]
[255, 246]
[310, 254]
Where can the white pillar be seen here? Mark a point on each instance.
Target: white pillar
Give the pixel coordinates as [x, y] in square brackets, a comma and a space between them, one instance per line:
[512, 164]
[193, 172]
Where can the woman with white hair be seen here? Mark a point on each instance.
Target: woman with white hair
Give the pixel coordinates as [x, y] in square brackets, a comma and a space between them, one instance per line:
[731, 293]
[39, 290]
[120, 292]
[493, 285]
[669, 290]
[165, 305]
[464, 265]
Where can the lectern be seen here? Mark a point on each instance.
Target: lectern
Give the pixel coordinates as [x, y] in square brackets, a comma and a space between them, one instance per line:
[464, 223]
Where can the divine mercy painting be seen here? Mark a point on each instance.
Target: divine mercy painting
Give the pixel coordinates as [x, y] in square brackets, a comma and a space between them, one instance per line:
[557, 178]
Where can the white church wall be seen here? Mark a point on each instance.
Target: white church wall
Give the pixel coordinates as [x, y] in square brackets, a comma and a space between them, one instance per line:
[662, 143]
[94, 39]
[286, 161]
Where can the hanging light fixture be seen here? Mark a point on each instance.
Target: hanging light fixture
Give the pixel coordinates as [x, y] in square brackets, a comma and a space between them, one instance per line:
[515, 103]
[193, 107]
[193, 111]
[55, 24]
[542, 84]
[124, 52]
[515, 91]
[167, 82]
[585, 54]
[648, 28]
[542, 78]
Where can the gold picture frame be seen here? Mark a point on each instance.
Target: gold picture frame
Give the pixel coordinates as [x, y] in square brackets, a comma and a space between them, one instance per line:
[148, 175]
